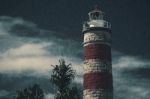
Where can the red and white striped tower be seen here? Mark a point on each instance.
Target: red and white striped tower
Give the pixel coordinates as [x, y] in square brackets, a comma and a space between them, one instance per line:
[97, 57]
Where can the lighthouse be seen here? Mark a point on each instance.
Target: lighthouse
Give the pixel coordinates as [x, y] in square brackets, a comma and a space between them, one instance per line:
[97, 65]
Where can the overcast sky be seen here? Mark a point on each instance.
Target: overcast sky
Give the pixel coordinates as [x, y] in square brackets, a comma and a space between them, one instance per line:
[34, 34]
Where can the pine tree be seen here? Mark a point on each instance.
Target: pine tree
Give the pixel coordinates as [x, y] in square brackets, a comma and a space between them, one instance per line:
[62, 76]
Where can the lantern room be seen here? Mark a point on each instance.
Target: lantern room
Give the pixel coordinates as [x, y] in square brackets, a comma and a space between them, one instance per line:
[96, 20]
[96, 15]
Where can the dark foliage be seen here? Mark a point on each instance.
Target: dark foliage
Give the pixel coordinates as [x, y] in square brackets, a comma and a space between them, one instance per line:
[34, 92]
[62, 76]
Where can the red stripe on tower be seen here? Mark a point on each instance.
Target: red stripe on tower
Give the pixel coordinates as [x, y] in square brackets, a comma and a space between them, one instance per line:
[98, 82]
[97, 51]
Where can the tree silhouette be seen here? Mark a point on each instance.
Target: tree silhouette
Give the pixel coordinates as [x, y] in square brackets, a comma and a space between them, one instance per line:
[34, 92]
[62, 76]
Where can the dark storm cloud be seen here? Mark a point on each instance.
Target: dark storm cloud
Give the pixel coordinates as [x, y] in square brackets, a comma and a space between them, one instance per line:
[130, 77]
[141, 72]
[24, 80]
[17, 31]
[20, 43]
[4, 93]
[69, 48]
[7, 42]
[8, 38]
[128, 85]
[17, 26]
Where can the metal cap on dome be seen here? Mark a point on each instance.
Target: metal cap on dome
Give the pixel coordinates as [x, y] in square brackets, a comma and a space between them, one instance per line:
[97, 8]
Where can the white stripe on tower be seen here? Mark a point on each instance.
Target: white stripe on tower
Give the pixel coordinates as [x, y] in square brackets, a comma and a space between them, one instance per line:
[97, 94]
[97, 65]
